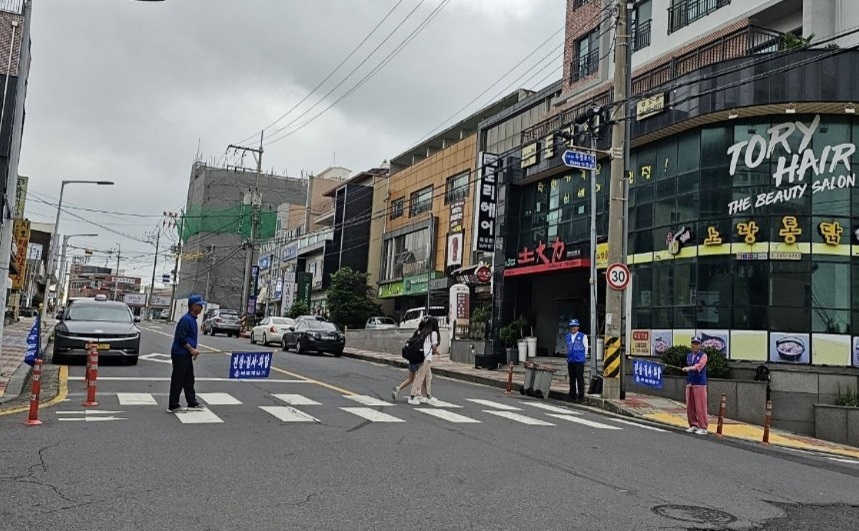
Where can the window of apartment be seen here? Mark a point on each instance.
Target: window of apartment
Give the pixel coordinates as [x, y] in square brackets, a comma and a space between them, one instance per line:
[397, 207]
[456, 188]
[641, 16]
[587, 56]
[420, 201]
[684, 12]
[579, 3]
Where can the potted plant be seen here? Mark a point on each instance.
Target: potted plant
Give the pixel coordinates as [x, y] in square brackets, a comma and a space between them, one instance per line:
[509, 335]
[520, 325]
[527, 331]
[477, 323]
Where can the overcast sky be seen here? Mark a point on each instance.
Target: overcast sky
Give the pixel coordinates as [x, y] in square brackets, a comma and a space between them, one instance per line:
[131, 91]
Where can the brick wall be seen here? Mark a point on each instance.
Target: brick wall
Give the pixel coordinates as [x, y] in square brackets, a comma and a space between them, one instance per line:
[6, 20]
[580, 22]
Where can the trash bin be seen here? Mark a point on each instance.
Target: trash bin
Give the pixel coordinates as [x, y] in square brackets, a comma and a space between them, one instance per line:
[530, 374]
[543, 381]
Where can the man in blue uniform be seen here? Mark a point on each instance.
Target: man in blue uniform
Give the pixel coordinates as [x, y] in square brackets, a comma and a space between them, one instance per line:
[577, 353]
[183, 352]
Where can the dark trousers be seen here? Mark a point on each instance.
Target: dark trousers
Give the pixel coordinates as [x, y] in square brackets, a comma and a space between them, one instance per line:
[577, 379]
[181, 379]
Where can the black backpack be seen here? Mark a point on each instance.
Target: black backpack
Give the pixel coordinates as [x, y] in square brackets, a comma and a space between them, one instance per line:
[413, 350]
[762, 373]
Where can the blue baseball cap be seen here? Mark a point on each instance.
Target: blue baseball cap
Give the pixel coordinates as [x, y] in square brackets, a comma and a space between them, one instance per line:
[196, 299]
[574, 322]
[696, 339]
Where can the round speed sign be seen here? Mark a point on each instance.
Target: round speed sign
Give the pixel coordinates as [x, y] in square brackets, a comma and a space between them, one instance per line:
[617, 276]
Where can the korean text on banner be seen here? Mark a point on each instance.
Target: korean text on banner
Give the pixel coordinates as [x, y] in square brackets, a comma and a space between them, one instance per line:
[250, 365]
[647, 373]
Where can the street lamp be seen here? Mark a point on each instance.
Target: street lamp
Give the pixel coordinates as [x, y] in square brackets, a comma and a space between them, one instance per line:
[61, 280]
[51, 264]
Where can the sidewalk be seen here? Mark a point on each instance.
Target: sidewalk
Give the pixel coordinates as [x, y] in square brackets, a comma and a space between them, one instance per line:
[662, 411]
[13, 370]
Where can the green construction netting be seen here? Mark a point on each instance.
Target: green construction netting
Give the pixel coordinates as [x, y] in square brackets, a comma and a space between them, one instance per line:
[233, 220]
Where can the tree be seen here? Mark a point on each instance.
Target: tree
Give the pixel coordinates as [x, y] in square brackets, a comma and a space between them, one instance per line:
[349, 301]
[298, 308]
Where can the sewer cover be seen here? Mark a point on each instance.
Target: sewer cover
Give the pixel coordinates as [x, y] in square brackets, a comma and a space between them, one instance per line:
[691, 513]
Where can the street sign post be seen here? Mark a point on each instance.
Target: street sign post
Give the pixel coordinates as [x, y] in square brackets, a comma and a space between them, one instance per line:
[617, 276]
[250, 365]
[580, 159]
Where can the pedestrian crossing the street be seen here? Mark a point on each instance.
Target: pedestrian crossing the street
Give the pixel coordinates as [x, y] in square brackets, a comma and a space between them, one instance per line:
[301, 409]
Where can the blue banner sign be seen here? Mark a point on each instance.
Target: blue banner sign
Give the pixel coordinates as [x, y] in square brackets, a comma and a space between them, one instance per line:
[581, 160]
[647, 373]
[248, 365]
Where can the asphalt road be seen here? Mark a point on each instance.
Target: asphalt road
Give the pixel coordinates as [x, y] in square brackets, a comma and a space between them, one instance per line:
[339, 460]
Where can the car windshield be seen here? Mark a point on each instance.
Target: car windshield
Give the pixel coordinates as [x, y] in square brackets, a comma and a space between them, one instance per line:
[321, 325]
[281, 321]
[97, 312]
[386, 320]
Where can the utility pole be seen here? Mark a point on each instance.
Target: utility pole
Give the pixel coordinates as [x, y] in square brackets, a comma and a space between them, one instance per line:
[255, 202]
[152, 282]
[613, 360]
[177, 249]
[116, 276]
[211, 252]
[270, 278]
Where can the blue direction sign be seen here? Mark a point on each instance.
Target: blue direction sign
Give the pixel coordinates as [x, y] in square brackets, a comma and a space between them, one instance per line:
[249, 365]
[647, 373]
[580, 159]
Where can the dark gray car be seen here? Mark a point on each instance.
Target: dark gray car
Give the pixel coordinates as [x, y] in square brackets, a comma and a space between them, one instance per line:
[222, 321]
[108, 324]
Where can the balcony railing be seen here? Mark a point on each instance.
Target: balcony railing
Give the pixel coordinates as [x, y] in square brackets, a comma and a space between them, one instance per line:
[685, 12]
[745, 42]
[12, 6]
[641, 37]
[585, 66]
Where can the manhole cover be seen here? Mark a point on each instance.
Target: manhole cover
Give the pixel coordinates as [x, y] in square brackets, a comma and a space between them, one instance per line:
[690, 513]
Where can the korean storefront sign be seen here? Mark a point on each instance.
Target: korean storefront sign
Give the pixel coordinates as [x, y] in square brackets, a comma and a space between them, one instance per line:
[456, 216]
[650, 107]
[798, 173]
[486, 197]
[544, 257]
[459, 300]
[21, 232]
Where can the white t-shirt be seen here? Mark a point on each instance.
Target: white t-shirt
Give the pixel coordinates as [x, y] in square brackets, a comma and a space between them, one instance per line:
[431, 339]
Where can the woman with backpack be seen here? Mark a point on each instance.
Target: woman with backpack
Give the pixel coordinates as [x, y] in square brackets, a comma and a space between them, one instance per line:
[432, 338]
[413, 368]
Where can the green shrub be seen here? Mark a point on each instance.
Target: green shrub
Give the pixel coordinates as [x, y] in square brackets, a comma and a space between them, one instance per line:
[849, 397]
[717, 364]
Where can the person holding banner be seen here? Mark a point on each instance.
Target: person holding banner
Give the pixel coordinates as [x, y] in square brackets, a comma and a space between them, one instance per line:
[183, 352]
[696, 389]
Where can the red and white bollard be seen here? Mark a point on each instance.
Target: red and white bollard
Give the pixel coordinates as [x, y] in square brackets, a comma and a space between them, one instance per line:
[767, 422]
[92, 376]
[33, 417]
[722, 407]
[509, 390]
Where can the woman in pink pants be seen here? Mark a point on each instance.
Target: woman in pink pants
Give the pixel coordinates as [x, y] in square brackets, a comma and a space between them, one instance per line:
[696, 388]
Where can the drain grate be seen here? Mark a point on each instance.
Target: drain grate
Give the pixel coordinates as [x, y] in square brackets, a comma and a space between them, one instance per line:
[691, 513]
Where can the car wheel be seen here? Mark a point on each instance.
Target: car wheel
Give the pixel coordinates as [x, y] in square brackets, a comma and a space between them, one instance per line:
[298, 349]
[253, 341]
[283, 344]
[264, 340]
[338, 353]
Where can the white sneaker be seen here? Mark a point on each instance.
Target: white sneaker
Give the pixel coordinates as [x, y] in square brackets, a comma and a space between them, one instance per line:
[413, 401]
[394, 394]
[701, 431]
[423, 399]
[692, 429]
[433, 401]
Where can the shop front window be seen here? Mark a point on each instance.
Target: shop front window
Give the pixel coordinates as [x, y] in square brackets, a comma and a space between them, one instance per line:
[751, 317]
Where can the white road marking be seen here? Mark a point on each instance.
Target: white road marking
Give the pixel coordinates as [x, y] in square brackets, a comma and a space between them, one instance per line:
[91, 419]
[636, 424]
[288, 414]
[89, 412]
[554, 409]
[449, 416]
[297, 400]
[585, 422]
[202, 416]
[167, 379]
[368, 400]
[848, 461]
[522, 419]
[371, 414]
[136, 399]
[494, 405]
[219, 399]
[443, 404]
[159, 358]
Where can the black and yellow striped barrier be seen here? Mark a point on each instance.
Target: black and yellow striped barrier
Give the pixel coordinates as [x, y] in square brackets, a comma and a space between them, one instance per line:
[611, 365]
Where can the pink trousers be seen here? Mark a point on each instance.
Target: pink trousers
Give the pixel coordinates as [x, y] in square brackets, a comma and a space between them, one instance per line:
[696, 405]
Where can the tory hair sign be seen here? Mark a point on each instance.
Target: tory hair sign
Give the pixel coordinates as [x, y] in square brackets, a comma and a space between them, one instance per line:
[828, 169]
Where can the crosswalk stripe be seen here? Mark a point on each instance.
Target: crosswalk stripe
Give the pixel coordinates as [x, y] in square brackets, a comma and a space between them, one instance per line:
[371, 414]
[219, 399]
[585, 422]
[494, 405]
[449, 416]
[288, 414]
[368, 400]
[203, 416]
[447, 405]
[522, 419]
[136, 399]
[636, 424]
[554, 409]
[297, 400]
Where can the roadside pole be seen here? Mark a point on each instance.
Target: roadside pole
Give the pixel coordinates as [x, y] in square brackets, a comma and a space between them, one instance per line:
[255, 201]
[178, 249]
[148, 310]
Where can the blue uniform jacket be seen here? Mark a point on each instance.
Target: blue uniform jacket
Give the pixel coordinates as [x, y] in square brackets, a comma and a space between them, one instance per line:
[186, 334]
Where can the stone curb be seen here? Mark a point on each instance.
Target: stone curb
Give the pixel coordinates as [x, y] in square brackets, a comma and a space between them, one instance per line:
[16, 383]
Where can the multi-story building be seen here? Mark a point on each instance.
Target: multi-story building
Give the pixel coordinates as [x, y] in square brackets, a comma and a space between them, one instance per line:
[743, 205]
[217, 224]
[89, 281]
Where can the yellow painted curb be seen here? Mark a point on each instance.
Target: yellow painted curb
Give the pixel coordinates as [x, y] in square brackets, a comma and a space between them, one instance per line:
[749, 432]
[62, 394]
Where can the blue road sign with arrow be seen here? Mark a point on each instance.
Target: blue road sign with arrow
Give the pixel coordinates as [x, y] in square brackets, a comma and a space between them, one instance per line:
[580, 159]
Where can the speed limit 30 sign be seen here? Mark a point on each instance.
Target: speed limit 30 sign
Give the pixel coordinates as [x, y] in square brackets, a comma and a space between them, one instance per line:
[617, 276]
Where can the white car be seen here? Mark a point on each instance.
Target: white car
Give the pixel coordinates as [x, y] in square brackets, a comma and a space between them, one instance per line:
[380, 323]
[271, 330]
[412, 318]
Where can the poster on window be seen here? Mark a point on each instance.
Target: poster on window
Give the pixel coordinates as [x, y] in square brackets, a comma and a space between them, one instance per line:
[717, 340]
[662, 340]
[454, 249]
[790, 348]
